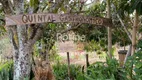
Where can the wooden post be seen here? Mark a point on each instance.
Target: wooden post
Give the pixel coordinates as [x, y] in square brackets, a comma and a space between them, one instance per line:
[109, 30]
[68, 60]
[87, 60]
[87, 63]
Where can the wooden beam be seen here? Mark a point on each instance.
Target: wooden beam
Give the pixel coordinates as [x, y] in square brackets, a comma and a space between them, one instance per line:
[55, 18]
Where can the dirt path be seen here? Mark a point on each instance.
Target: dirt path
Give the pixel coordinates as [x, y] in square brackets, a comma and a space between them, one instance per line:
[83, 62]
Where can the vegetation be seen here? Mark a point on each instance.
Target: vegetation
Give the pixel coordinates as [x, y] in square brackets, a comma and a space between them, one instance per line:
[98, 71]
[6, 71]
[33, 47]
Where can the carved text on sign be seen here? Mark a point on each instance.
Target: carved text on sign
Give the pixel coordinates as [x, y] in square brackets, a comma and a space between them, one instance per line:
[81, 19]
[41, 18]
[36, 18]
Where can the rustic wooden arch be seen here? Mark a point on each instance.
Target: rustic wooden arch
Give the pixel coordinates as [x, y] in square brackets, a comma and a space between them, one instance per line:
[55, 18]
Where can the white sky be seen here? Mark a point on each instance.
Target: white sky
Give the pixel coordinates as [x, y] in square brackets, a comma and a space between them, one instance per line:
[88, 1]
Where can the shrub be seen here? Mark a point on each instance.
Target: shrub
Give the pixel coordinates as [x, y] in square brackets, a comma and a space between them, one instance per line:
[134, 64]
[61, 71]
[105, 70]
[6, 71]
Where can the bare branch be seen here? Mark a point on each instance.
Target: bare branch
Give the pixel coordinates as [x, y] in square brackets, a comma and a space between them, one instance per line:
[38, 34]
[56, 6]
[72, 28]
[34, 30]
[12, 39]
[7, 5]
[127, 55]
[36, 37]
[8, 9]
[125, 28]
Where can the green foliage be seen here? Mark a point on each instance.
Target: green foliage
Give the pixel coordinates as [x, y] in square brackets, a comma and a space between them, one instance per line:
[54, 57]
[34, 3]
[61, 71]
[96, 36]
[27, 78]
[134, 64]
[2, 29]
[97, 10]
[129, 6]
[92, 46]
[119, 35]
[105, 70]
[6, 71]
[137, 4]
[109, 70]
[139, 45]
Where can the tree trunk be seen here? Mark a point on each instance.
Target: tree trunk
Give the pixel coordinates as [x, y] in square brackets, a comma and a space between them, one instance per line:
[134, 32]
[127, 55]
[22, 46]
[109, 31]
[23, 68]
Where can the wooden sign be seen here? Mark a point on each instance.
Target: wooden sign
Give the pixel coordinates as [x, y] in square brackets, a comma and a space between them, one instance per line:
[55, 18]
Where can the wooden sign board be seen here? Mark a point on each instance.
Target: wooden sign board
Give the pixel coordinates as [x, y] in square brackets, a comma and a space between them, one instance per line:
[55, 18]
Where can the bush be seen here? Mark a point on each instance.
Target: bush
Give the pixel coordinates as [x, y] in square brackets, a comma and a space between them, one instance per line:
[105, 70]
[134, 64]
[109, 70]
[61, 71]
[6, 71]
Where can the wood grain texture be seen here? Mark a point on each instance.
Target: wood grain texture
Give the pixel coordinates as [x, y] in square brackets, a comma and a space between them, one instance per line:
[55, 18]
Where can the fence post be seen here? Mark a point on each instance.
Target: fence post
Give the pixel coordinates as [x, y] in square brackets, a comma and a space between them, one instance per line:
[87, 63]
[68, 60]
[87, 60]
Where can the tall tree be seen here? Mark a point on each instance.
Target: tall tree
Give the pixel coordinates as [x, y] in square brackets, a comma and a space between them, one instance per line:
[135, 26]
[109, 30]
[133, 8]
[23, 37]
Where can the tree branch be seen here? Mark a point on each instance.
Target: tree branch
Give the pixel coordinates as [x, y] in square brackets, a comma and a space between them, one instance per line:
[127, 55]
[36, 37]
[7, 5]
[126, 30]
[38, 34]
[72, 28]
[34, 30]
[56, 6]
[8, 9]
[12, 39]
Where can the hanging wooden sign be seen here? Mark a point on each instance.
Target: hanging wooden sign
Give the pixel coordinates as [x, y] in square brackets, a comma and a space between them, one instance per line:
[55, 18]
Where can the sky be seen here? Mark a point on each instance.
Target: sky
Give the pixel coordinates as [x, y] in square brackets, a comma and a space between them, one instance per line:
[88, 1]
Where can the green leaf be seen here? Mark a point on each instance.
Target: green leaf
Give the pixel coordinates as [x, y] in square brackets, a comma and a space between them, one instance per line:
[139, 45]
[136, 4]
[34, 3]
